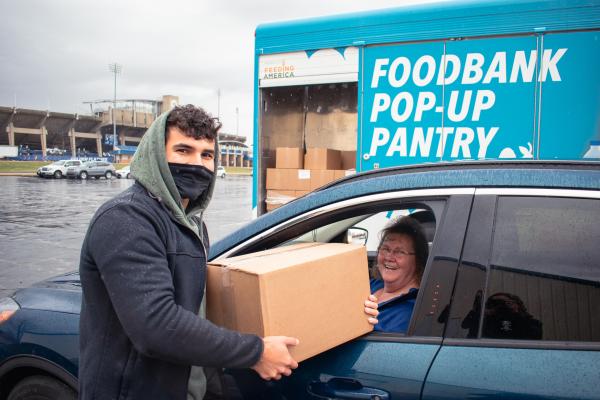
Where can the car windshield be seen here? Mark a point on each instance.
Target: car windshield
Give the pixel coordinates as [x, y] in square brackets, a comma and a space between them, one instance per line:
[61, 162]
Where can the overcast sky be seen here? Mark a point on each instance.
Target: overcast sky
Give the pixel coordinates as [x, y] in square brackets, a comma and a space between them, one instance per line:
[54, 54]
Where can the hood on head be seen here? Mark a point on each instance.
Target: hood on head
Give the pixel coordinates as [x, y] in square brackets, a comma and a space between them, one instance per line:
[149, 167]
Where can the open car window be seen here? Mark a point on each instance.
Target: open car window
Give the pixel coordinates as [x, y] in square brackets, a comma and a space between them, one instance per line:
[365, 227]
[371, 223]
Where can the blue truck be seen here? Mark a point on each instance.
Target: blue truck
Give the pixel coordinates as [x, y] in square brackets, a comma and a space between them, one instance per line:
[438, 82]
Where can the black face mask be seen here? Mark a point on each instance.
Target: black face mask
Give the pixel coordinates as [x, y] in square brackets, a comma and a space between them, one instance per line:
[191, 180]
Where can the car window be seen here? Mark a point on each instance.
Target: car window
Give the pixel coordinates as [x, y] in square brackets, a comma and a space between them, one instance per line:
[542, 277]
[545, 277]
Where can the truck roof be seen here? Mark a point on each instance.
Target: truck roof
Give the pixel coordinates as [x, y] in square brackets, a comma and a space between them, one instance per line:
[433, 21]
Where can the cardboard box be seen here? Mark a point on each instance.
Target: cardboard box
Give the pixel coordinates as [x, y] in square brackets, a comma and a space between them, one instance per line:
[320, 177]
[281, 194]
[340, 173]
[288, 179]
[289, 157]
[279, 179]
[277, 198]
[300, 193]
[272, 206]
[348, 159]
[312, 291]
[302, 179]
[322, 158]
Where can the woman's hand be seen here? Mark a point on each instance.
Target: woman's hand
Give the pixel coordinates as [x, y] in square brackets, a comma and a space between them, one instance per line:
[371, 309]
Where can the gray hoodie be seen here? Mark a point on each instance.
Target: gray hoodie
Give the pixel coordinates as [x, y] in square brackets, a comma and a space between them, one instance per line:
[150, 168]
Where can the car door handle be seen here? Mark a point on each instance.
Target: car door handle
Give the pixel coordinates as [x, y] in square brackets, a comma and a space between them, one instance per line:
[343, 388]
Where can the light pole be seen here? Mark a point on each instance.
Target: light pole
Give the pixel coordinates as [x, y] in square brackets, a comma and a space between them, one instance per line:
[219, 104]
[115, 69]
[237, 121]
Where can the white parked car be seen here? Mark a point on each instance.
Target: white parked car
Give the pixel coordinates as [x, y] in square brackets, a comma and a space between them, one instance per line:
[57, 169]
[221, 172]
[124, 172]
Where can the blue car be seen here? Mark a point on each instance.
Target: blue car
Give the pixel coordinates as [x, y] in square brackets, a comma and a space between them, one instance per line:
[508, 308]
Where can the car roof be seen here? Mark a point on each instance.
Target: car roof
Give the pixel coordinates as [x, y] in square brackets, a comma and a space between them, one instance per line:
[495, 171]
[512, 174]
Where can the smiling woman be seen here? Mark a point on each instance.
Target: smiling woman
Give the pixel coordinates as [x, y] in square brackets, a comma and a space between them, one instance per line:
[401, 259]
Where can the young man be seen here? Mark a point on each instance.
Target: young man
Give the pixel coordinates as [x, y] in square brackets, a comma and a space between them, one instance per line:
[143, 270]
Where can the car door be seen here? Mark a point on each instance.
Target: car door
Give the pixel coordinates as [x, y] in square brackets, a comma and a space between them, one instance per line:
[89, 167]
[377, 365]
[525, 315]
[99, 168]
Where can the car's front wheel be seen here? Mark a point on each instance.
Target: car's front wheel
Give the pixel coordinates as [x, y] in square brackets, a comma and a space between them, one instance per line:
[129, 176]
[57, 174]
[108, 175]
[83, 175]
[41, 388]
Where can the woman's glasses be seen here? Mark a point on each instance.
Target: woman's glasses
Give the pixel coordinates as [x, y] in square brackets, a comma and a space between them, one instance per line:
[395, 252]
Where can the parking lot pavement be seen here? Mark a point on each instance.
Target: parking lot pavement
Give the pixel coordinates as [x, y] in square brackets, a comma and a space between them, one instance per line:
[43, 221]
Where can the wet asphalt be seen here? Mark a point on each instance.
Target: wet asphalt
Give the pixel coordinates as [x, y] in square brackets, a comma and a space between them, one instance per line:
[43, 221]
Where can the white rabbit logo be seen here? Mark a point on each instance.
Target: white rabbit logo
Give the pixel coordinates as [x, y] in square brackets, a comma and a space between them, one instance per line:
[526, 152]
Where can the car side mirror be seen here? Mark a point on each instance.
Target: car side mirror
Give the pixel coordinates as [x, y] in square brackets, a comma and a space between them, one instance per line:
[357, 236]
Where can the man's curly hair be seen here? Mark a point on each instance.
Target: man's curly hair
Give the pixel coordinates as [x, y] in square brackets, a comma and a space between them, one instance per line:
[193, 122]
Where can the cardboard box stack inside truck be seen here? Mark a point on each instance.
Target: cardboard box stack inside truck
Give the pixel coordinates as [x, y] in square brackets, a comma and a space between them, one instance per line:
[297, 172]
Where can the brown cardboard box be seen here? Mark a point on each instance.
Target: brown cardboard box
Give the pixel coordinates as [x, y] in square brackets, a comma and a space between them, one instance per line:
[322, 158]
[300, 193]
[348, 159]
[339, 173]
[289, 157]
[312, 291]
[301, 180]
[279, 179]
[272, 206]
[288, 179]
[277, 198]
[320, 177]
[281, 194]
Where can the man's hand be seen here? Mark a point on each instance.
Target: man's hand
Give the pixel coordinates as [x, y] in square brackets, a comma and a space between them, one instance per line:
[276, 359]
[371, 309]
